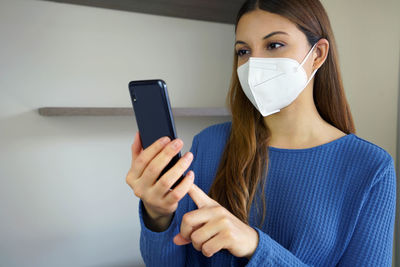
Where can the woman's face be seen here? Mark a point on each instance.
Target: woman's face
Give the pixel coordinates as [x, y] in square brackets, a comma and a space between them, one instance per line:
[263, 34]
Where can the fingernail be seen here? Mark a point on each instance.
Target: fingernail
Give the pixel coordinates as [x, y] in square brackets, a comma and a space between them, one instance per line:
[176, 143]
[164, 140]
[188, 156]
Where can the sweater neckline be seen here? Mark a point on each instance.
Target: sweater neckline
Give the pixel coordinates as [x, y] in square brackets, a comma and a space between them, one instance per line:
[333, 142]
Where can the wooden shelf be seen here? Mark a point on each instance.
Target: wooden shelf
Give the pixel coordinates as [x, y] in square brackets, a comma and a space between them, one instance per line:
[209, 10]
[104, 111]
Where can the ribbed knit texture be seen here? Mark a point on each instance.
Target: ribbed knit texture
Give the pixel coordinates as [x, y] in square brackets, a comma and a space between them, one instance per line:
[329, 205]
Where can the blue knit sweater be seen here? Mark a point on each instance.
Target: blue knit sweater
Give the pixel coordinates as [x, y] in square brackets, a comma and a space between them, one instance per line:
[329, 205]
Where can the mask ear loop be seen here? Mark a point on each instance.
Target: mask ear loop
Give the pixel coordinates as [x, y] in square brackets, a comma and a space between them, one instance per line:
[305, 59]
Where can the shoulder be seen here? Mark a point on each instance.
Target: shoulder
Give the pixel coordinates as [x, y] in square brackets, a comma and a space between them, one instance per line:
[211, 140]
[215, 133]
[368, 156]
[369, 149]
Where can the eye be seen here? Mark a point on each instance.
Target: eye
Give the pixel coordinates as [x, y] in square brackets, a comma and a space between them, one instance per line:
[242, 52]
[272, 46]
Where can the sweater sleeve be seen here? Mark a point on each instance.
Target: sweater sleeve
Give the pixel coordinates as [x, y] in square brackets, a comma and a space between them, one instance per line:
[158, 248]
[271, 253]
[372, 241]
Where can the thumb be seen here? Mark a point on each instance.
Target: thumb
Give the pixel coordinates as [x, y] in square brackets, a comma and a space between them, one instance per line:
[180, 240]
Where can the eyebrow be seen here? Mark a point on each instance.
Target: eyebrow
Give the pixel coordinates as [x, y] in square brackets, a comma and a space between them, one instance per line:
[265, 37]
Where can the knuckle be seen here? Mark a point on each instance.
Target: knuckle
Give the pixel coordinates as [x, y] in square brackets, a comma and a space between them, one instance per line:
[170, 152]
[184, 163]
[207, 250]
[195, 235]
[228, 235]
[139, 161]
[138, 191]
[167, 154]
[175, 196]
[129, 176]
[186, 219]
[153, 170]
[196, 244]
[225, 221]
[161, 143]
[169, 202]
[164, 182]
[222, 211]
[219, 210]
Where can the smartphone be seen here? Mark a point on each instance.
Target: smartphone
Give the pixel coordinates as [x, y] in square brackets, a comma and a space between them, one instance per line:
[153, 115]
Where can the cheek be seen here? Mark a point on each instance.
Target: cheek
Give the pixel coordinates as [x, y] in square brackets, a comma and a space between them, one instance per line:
[242, 61]
[300, 54]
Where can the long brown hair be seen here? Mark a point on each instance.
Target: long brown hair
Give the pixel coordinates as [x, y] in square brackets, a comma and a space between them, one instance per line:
[244, 162]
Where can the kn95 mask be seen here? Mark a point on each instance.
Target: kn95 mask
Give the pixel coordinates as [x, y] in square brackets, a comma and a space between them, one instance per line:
[273, 83]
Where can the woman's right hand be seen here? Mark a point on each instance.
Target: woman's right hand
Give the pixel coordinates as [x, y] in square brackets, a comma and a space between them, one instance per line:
[159, 201]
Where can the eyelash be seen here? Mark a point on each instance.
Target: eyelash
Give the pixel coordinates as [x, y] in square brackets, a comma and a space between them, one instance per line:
[239, 52]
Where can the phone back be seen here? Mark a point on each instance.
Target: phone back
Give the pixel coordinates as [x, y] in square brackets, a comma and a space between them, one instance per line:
[152, 110]
[153, 115]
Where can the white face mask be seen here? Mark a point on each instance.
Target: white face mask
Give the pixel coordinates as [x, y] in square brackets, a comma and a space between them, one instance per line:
[273, 83]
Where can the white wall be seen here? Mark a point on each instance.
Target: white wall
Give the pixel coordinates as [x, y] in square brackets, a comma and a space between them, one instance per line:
[368, 37]
[63, 197]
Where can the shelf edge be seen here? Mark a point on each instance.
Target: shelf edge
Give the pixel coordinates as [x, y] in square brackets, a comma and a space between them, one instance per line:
[115, 111]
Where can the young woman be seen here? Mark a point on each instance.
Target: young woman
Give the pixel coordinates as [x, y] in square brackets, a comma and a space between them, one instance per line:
[288, 181]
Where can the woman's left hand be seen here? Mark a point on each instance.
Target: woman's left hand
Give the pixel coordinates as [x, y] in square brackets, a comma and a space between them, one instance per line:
[211, 228]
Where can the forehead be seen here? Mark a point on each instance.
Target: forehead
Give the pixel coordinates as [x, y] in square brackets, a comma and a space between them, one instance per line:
[259, 23]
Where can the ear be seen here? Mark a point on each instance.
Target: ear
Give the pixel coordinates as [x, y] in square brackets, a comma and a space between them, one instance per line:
[320, 53]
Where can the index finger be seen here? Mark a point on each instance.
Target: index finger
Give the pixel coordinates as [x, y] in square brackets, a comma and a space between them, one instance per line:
[136, 147]
[200, 198]
[141, 157]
